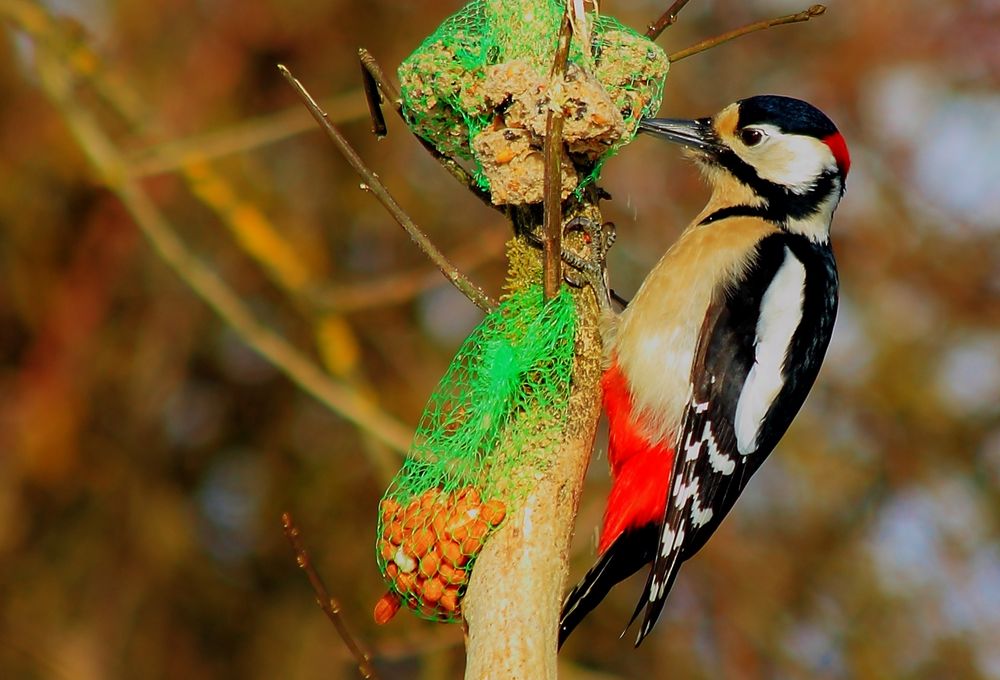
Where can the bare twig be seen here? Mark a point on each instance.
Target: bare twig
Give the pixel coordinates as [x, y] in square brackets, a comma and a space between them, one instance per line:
[666, 19]
[804, 15]
[372, 183]
[373, 70]
[371, 66]
[329, 605]
[552, 182]
[374, 99]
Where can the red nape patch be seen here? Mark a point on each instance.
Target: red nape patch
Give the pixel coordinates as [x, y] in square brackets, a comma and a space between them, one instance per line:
[640, 470]
[839, 148]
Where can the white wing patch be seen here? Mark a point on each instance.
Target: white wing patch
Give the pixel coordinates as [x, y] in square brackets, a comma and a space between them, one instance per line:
[720, 462]
[666, 542]
[780, 315]
[692, 447]
[682, 493]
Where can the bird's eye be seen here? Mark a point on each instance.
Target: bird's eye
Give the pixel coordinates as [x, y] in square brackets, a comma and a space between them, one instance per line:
[751, 136]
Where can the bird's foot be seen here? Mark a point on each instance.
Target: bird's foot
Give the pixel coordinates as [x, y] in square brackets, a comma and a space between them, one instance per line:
[589, 243]
[590, 268]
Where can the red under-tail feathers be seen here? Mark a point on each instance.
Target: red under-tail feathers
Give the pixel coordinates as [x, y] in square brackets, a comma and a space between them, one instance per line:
[640, 473]
[640, 470]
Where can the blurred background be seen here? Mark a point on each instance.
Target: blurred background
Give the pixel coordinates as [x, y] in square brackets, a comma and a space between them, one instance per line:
[168, 210]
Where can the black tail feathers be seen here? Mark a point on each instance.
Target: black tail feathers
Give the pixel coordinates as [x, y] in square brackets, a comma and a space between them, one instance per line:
[624, 557]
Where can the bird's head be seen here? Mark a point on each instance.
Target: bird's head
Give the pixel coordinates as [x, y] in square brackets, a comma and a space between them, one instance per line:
[784, 154]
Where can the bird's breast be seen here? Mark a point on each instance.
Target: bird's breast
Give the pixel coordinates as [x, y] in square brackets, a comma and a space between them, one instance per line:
[658, 332]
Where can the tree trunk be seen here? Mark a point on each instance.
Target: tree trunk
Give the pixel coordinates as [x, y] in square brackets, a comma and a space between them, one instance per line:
[514, 598]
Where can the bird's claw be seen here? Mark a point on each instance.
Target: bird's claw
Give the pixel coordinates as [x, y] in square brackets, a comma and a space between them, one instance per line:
[597, 238]
[591, 268]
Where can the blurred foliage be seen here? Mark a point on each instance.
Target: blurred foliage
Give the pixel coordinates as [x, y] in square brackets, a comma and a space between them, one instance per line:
[146, 452]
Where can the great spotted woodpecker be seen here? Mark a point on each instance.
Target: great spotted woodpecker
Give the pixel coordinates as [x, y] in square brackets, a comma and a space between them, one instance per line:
[712, 359]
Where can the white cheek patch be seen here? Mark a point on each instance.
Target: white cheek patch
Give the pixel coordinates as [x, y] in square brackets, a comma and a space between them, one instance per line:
[780, 315]
[816, 227]
[793, 161]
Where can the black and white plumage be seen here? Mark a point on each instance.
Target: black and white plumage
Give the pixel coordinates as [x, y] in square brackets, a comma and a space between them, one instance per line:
[714, 356]
[759, 352]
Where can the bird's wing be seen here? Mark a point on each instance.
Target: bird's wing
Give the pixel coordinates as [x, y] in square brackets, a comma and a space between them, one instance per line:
[760, 346]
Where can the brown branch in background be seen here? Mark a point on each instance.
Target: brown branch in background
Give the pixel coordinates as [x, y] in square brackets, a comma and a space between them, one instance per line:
[666, 19]
[374, 71]
[329, 605]
[552, 183]
[804, 15]
[111, 166]
[373, 184]
[404, 286]
[240, 137]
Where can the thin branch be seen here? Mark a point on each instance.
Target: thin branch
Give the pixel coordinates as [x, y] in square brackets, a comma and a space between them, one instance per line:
[329, 605]
[370, 65]
[666, 20]
[113, 169]
[374, 99]
[805, 15]
[373, 70]
[552, 182]
[373, 184]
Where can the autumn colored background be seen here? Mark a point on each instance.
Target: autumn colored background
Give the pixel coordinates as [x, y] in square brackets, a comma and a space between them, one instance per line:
[151, 157]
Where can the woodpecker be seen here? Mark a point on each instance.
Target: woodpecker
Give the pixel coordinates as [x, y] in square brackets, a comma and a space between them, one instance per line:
[711, 360]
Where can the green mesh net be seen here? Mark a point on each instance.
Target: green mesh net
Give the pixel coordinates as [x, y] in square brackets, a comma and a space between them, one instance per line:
[478, 88]
[485, 436]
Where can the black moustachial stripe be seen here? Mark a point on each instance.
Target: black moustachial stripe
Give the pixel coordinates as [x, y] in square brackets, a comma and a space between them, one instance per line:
[791, 116]
[782, 204]
[735, 211]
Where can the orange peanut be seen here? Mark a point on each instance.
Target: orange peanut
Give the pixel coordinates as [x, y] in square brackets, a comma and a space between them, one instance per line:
[432, 591]
[493, 512]
[386, 608]
[429, 564]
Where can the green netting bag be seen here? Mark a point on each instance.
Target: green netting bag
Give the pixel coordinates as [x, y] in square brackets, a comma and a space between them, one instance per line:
[478, 88]
[485, 437]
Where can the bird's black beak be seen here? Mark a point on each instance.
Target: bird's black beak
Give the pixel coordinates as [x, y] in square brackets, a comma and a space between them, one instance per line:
[695, 134]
